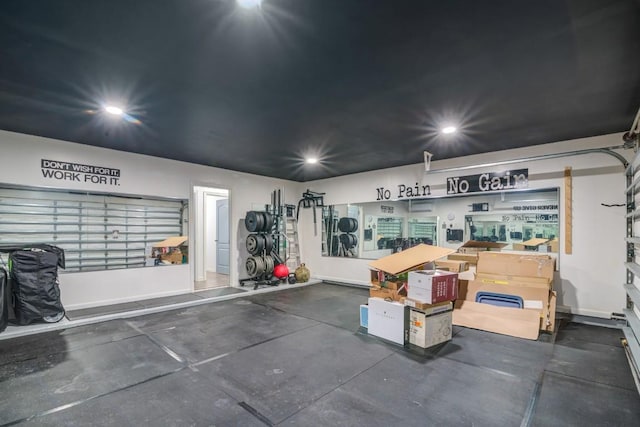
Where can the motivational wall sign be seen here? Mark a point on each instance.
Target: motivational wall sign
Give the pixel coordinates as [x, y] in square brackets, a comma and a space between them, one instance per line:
[78, 172]
[489, 181]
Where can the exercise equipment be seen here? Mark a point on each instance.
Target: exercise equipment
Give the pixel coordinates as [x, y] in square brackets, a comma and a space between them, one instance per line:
[281, 271]
[311, 199]
[269, 244]
[302, 273]
[4, 300]
[33, 274]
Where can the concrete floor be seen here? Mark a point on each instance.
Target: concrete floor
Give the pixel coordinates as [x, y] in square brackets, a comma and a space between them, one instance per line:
[297, 357]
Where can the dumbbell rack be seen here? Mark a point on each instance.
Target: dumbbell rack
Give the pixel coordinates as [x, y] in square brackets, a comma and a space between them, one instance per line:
[265, 244]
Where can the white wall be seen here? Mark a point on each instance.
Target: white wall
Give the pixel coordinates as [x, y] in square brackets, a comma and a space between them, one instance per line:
[589, 281]
[20, 157]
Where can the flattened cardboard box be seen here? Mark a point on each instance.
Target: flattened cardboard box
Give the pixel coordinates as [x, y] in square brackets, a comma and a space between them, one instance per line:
[476, 246]
[505, 320]
[529, 265]
[533, 299]
[522, 323]
[410, 259]
[501, 279]
[172, 242]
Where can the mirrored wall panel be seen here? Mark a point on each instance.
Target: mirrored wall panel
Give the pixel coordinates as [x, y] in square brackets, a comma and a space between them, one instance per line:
[522, 221]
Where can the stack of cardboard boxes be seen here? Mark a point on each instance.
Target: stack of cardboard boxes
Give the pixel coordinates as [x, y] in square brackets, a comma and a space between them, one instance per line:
[172, 250]
[411, 303]
[511, 294]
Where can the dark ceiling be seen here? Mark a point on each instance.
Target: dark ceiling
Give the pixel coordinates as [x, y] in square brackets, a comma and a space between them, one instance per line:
[362, 84]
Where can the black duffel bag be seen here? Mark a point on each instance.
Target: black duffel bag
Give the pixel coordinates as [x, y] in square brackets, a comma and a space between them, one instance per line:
[34, 283]
[4, 299]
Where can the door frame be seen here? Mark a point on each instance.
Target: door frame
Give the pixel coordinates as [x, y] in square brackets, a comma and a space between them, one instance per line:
[195, 206]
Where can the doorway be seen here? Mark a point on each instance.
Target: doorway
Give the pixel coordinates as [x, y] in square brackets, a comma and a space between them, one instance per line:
[212, 238]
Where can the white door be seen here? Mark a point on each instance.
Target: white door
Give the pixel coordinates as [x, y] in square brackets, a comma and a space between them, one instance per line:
[222, 233]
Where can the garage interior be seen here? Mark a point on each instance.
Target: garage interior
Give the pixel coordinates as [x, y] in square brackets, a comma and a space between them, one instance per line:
[190, 157]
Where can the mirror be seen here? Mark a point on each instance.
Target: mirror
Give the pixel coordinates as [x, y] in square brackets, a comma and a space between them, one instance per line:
[522, 220]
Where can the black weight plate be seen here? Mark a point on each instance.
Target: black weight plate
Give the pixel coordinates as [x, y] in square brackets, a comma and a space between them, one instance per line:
[354, 240]
[255, 243]
[259, 266]
[344, 224]
[268, 222]
[252, 221]
[354, 225]
[269, 264]
[345, 241]
[251, 266]
[268, 242]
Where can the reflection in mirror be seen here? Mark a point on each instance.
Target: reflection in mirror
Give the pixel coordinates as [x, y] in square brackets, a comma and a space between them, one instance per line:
[521, 220]
[524, 221]
[340, 226]
[96, 231]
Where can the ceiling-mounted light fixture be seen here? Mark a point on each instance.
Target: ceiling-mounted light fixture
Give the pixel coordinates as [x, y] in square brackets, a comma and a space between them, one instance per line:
[449, 130]
[111, 109]
[249, 4]
[311, 160]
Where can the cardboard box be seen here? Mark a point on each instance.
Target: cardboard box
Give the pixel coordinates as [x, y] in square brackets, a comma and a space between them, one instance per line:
[411, 259]
[538, 299]
[476, 246]
[378, 279]
[428, 308]
[173, 257]
[455, 266]
[432, 286]
[523, 323]
[501, 279]
[528, 265]
[386, 293]
[553, 245]
[173, 250]
[364, 315]
[172, 242]
[427, 330]
[471, 259]
[535, 244]
[388, 320]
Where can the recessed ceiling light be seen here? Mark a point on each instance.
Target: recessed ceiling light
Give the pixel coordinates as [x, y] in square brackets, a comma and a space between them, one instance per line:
[449, 129]
[116, 111]
[311, 160]
[249, 4]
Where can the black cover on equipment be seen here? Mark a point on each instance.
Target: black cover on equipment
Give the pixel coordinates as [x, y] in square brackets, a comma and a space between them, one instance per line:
[4, 300]
[34, 283]
[43, 246]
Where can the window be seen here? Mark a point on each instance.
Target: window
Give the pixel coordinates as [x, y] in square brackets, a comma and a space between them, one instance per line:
[97, 231]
